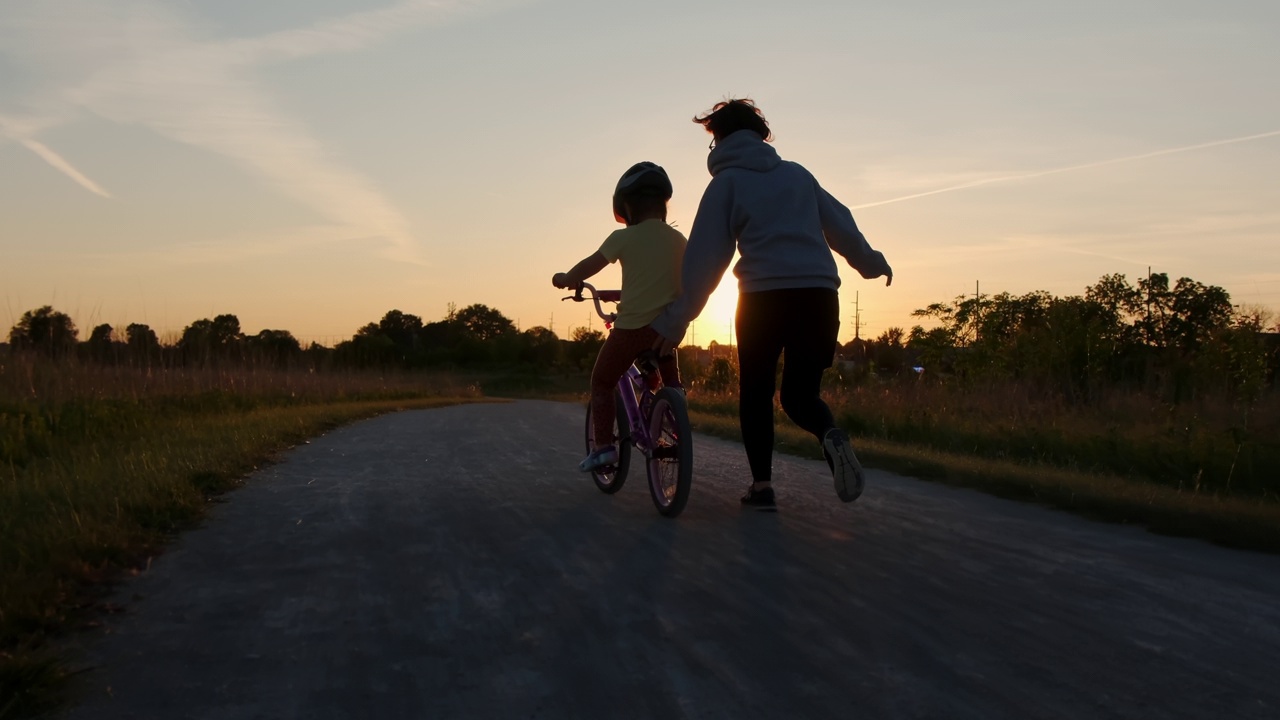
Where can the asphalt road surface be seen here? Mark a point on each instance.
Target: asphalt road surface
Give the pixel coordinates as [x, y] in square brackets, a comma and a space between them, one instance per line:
[451, 563]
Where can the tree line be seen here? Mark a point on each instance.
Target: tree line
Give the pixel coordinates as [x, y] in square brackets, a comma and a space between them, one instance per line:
[476, 335]
[1179, 338]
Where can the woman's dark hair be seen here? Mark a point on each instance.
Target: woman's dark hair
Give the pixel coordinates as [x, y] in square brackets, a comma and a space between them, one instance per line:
[730, 116]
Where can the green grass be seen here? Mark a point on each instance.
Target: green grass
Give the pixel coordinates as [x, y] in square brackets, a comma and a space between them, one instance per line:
[99, 467]
[98, 470]
[1245, 523]
[1205, 469]
[1210, 446]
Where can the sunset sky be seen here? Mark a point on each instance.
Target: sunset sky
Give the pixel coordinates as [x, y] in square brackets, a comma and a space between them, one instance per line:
[310, 165]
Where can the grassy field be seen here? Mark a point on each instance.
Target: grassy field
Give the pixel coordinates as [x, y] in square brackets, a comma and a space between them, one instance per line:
[1207, 469]
[101, 466]
[1245, 523]
[1208, 446]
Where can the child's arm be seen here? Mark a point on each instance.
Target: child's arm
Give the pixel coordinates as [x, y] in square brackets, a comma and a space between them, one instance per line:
[589, 266]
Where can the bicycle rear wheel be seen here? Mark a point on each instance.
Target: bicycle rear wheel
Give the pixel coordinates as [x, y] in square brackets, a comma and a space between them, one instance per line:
[670, 464]
[610, 479]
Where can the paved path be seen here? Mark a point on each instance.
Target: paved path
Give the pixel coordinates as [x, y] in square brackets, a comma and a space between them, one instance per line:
[450, 563]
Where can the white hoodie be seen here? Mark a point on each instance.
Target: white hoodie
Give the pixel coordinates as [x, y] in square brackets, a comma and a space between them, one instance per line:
[779, 218]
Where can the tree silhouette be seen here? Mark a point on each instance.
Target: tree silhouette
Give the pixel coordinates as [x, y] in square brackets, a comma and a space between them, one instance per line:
[45, 330]
[101, 344]
[438, 338]
[142, 342]
[213, 340]
[275, 347]
[403, 330]
[887, 354]
[480, 322]
[1198, 312]
[539, 347]
[583, 347]
[368, 347]
[1180, 339]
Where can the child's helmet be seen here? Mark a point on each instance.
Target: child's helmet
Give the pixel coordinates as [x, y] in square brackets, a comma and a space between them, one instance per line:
[643, 178]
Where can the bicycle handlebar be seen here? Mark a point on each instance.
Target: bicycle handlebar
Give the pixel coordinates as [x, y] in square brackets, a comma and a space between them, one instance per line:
[597, 296]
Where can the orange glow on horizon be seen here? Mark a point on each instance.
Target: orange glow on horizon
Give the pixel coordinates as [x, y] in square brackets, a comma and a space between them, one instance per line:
[716, 321]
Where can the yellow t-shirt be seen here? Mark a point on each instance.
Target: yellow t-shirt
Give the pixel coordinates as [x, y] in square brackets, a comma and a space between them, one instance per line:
[651, 253]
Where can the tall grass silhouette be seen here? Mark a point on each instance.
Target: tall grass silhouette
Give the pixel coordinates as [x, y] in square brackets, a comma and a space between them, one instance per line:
[100, 465]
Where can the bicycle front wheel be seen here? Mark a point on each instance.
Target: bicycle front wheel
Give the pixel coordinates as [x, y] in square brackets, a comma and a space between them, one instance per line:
[610, 479]
[671, 461]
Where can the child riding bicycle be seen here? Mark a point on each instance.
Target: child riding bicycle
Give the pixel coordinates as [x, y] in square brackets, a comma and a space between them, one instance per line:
[651, 252]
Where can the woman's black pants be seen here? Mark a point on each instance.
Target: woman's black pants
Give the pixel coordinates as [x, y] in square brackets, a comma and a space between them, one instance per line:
[800, 326]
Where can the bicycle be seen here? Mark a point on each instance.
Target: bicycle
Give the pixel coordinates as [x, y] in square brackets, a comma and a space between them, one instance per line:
[653, 419]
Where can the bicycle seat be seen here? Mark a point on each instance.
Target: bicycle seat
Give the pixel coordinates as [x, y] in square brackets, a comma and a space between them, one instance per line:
[609, 295]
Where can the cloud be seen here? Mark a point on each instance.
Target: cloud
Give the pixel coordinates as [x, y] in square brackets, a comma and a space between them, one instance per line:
[13, 130]
[141, 64]
[1070, 168]
[348, 33]
[257, 245]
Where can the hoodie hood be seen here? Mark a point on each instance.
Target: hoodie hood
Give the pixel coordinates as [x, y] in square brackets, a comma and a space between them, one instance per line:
[743, 149]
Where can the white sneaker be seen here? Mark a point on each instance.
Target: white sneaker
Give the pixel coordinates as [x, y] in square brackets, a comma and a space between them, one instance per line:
[845, 468]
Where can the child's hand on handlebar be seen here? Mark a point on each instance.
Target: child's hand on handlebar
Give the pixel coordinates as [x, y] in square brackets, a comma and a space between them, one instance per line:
[561, 280]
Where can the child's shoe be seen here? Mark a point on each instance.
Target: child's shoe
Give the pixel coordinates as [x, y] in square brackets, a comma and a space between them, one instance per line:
[603, 457]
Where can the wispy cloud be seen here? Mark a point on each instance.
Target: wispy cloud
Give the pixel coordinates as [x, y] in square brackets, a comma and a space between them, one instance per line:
[1071, 168]
[142, 65]
[242, 248]
[350, 32]
[14, 131]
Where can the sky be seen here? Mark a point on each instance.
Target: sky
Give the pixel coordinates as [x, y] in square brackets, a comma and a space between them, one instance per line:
[310, 165]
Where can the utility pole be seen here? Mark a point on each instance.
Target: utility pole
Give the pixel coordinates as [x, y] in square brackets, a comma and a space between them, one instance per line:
[857, 317]
[977, 306]
[1148, 304]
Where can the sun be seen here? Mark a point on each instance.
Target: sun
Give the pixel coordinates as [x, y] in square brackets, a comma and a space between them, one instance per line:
[716, 321]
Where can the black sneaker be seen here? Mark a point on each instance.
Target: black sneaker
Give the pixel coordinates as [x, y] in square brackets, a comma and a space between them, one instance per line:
[846, 471]
[761, 500]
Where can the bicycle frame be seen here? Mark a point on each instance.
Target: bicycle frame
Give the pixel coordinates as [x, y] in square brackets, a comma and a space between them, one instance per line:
[632, 383]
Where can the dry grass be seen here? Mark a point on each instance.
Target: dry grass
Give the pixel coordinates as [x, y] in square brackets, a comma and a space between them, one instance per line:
[1208, 446]
[1243, 520]
[100, 466]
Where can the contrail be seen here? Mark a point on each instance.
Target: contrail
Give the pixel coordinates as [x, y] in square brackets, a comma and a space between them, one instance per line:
[150, 67]
[12, 131]
[1070, 168]
[60, 163]
[349, 32]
